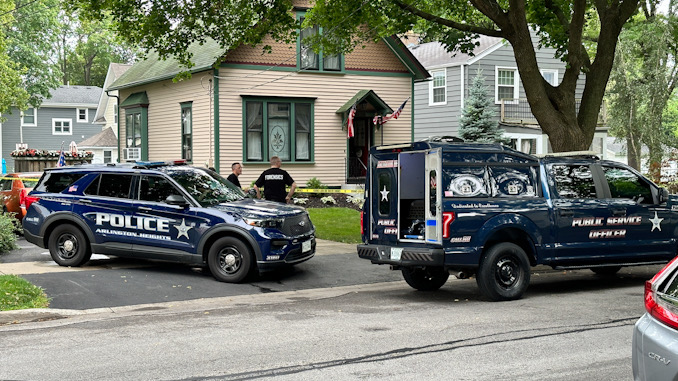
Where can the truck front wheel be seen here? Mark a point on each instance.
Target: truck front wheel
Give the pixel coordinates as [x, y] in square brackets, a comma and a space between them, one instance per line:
[426, 279]
[504, 272]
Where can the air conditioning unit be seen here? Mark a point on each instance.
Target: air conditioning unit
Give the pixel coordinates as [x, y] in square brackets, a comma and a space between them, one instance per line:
[131, 154]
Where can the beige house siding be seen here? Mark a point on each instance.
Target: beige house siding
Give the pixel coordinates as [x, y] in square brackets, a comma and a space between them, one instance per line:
[109, 113]
[329, 137]
[164, 117]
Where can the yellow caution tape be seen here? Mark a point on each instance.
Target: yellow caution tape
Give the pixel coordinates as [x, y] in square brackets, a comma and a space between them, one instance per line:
[19, 178]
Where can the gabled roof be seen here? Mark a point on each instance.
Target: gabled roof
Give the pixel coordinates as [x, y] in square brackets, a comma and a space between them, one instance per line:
[433, 54]
[72, 96]
[115, 70]
[371, 97]
[104, 139]
[153, 69]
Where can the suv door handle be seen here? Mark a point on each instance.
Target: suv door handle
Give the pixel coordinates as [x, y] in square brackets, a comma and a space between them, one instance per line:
[618, 212]
[567, 213]
[85, 201]
[144, 209]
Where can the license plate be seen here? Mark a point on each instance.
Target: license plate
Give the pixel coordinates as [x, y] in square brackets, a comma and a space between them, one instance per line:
[306, 246]
[395, 253]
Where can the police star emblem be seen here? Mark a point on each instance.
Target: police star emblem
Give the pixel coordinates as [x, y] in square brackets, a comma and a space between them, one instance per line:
[183, 229]
[656, 222]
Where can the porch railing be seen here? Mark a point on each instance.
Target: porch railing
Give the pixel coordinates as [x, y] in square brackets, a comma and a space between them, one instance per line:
[519, 112]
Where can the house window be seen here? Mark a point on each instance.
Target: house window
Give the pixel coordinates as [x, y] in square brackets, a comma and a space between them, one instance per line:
[107, 157]
[29, 117]
[311, 61]
[278, 128]
[82, 115]
[133, 129]
[551, 76]
[61, 127]
[438, 88]
[187, 131]
[506, 84]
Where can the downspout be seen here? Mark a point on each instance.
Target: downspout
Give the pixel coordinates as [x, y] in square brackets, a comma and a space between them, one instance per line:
[217, 158]
[117, 106]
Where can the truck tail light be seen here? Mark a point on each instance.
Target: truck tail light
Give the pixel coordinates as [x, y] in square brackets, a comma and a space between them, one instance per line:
[362, 222]
[448, 218]
[660, 309]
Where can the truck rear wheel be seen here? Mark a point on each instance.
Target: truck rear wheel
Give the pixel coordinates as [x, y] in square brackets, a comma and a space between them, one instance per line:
[426, 279]
[504, 272]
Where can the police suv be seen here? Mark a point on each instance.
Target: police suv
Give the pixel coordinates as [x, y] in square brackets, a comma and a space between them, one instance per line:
[433, 208]
[164, 211]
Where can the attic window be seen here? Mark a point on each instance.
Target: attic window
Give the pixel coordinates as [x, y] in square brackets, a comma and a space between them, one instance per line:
[311, 61]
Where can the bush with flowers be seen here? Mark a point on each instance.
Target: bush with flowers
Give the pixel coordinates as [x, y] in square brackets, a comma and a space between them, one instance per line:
[42, 153]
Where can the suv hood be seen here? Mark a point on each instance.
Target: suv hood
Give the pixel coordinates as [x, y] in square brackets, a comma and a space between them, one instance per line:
[259, 208]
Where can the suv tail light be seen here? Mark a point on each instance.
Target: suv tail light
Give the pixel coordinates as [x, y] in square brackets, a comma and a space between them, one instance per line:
[657, 306]
[25, 200]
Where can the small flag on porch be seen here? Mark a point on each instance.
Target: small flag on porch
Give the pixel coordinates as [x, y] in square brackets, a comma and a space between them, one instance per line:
[383, 119]
[349, 123]
[62, 160]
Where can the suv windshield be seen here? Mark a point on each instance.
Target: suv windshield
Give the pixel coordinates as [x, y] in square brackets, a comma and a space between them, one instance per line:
[205, 186]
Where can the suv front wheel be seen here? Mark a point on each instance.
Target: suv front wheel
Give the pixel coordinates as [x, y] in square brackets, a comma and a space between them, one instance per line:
[229, 260]
[68, 246]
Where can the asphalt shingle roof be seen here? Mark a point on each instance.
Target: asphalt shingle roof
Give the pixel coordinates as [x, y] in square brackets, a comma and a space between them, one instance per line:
[105, 138]
[80, 95]
[433, 54]
[154, 69]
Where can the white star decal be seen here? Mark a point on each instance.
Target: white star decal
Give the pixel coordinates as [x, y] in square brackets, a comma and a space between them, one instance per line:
[656, 222]
[183, 229]
[384, 194]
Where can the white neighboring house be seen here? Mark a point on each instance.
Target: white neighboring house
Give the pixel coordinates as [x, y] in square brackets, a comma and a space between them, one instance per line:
[104, 145]
[107, 109]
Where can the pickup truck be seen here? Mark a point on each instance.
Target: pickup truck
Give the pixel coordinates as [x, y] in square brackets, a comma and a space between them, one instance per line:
[435, 208]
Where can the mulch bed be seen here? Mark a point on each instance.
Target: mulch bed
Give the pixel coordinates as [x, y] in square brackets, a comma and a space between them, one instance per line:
[314, 201]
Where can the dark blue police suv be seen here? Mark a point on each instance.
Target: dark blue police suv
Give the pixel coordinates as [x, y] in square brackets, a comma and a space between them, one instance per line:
[163, 211]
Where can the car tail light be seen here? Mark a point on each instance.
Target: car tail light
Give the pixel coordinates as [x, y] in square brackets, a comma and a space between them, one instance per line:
[662, 310]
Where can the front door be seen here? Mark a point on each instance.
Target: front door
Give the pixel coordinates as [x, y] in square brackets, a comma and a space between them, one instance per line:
[358, 150]
[433, 196]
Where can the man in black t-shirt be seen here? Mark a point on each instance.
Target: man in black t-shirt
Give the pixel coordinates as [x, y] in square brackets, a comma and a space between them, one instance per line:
[274, 181]
[233, 177]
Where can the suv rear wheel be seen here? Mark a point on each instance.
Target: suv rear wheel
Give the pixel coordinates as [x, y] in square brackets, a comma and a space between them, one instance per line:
[504, 272]
[229, 260]
[426, 279]
[68, 246]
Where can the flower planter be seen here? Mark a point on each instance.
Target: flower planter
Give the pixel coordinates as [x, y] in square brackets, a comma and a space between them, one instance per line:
[38, 164]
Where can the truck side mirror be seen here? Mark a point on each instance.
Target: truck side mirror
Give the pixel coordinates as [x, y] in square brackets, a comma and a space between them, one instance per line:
[663, 195]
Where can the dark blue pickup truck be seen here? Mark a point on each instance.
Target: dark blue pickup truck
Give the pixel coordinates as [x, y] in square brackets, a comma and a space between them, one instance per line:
[435, 208]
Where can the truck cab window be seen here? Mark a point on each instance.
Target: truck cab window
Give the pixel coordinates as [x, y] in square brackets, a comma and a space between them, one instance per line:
[626, 184]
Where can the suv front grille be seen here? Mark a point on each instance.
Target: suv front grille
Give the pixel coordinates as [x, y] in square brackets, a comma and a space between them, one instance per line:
[297, 225]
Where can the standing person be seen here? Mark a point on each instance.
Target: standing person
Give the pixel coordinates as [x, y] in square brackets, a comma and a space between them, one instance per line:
[233, 177]
[274, 180]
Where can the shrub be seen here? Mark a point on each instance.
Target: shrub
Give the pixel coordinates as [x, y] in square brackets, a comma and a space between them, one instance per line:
[328, 200]
[8, 226]
[314, 183]
[300, 201]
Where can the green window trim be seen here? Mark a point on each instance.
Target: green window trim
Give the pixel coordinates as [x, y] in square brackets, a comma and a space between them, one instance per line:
[321, 58]
[187, 136]
[293, 130]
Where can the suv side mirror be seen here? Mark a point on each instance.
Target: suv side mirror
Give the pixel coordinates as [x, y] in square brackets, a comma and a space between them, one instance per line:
[177, 200]
[663, 195]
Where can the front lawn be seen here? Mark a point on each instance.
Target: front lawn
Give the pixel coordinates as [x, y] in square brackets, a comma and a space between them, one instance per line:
[336, 224]
[18, 294]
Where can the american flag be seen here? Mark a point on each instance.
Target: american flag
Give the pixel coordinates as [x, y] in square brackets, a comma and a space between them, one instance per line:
[62, 160]
[351, 115]
[395, 115]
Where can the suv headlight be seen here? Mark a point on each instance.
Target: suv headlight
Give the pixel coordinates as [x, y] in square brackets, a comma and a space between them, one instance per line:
[275, 223]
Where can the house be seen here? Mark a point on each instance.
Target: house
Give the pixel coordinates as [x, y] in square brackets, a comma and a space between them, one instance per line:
[439, 102]
[63, 118]
[103, 145]
[106, 113]
[244, 106]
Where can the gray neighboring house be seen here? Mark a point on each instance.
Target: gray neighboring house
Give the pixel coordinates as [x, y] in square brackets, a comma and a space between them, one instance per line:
[65, 117]
[438, 103]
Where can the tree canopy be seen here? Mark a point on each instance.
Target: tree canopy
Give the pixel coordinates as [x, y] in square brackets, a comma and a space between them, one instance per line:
[169, 27]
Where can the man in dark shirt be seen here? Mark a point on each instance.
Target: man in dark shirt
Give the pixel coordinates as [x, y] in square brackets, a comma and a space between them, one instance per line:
[233, 177]
[274, 181]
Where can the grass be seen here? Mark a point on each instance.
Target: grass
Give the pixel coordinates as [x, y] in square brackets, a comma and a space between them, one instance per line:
[18, 294]
[336, 224]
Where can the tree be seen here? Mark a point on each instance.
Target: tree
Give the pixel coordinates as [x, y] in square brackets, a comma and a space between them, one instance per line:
[477, 121]
[643, 79]
[169, 27]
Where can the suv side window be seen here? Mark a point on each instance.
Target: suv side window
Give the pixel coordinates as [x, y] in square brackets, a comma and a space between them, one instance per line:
[156, 189]
[626, 184]
[573, 181]
[111, 185]
[6, 185]
[57, 182]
